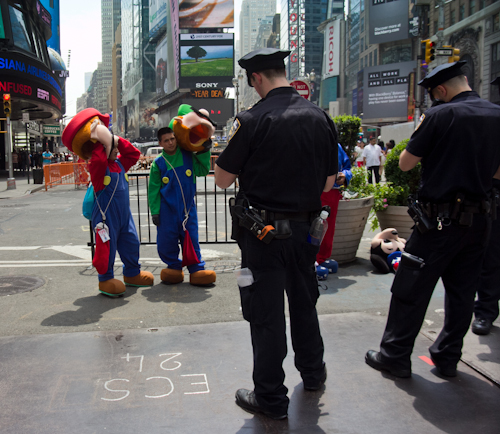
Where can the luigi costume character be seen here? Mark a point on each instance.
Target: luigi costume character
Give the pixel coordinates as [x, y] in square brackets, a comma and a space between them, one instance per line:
[172, 187]
[110, 157]
[457, 144]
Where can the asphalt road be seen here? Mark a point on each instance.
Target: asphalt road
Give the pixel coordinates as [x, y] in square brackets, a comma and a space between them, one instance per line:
[44, 252]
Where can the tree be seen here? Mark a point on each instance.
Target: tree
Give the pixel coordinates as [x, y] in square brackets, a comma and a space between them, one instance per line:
[348, 129]
[196, 52]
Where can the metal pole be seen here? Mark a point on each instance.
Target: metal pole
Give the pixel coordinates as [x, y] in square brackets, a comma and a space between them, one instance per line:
[11, 182]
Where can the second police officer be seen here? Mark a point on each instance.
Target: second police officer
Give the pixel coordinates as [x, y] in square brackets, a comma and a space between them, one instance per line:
[457, 143]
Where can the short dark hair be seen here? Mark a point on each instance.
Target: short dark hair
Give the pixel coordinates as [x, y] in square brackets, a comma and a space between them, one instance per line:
[164, 130]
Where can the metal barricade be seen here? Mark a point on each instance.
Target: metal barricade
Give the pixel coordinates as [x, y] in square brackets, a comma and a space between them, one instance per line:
[65, 174]
[214, 218]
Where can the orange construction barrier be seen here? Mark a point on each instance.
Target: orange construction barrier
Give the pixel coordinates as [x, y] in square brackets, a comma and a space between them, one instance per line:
[65, 174]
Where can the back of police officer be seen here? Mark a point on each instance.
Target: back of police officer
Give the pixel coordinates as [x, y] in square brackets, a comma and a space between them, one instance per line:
[284, 150]
[457, 143]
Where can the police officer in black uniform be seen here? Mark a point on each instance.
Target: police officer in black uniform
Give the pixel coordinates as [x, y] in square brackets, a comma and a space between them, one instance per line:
[457, 143]
[486, 309]
[284, 151]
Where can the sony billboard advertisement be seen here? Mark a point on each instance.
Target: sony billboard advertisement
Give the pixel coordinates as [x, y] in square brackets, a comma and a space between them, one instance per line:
[385, 91]
[219, 109]
[196, 14]
[388, 20]
[206, 60]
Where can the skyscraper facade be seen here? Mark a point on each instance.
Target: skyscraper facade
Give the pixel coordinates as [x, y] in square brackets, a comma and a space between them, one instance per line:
[252, 13]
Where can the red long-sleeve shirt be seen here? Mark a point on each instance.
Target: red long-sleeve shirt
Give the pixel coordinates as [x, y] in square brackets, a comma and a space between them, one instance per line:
[98, 163]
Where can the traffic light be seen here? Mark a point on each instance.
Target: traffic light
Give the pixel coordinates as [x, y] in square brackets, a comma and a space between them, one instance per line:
[455, 57]
[7, 109]
[429, 51]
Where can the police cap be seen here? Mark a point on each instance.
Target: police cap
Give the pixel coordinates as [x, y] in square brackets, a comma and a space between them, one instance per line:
[496, 81]
[262, 59]
[441, 74]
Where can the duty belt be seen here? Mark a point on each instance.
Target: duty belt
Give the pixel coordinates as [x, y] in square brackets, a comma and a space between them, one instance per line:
[461, 211]
[270, 216]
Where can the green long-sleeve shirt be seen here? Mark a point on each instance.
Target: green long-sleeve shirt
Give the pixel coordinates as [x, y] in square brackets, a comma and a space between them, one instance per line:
[201, 167]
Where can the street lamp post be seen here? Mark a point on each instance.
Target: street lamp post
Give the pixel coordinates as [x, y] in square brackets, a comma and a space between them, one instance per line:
[236, 84]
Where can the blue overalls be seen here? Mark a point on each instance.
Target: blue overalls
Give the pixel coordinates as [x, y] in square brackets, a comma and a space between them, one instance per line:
[170, 231]
[122, 231]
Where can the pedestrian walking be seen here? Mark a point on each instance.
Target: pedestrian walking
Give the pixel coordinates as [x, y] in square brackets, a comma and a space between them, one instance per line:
[284, 151]
[453, 221]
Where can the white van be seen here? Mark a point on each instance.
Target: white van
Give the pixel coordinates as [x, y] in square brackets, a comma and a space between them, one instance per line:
[154, 151]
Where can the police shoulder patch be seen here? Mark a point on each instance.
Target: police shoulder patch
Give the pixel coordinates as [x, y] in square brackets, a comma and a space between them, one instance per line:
[234, 128]
[420, 121]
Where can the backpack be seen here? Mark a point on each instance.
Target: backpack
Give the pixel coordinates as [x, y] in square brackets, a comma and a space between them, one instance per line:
[88, 202]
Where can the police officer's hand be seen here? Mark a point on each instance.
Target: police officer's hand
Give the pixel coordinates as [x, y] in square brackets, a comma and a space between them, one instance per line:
[156, 219]
[206, 146]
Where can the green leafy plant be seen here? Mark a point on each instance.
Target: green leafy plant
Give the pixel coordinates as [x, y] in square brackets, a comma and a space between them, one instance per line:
[358, 188]
[399, 184]
[348, 129]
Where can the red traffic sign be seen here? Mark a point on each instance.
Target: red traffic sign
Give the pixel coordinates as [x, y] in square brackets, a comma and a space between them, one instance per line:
[302, 88]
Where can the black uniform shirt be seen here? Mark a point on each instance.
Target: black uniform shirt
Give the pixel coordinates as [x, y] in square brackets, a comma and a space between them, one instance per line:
[460, 148]
[283, 149]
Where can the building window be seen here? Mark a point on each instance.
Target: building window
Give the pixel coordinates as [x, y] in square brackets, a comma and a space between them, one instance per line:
[371, 54]
[435, 27]
[375, 57]
[496, 22]
[453, 17]
[495, 52]
[461, 12]
[19, 31]
[362, 24]
[472, 7]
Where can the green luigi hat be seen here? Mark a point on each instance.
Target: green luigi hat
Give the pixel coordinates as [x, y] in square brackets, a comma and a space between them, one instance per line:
[441, 74]
[262, 59]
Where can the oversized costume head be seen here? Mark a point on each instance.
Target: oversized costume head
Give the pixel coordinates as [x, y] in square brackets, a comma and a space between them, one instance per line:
[386, 249]
[192, 128]
[78, 135]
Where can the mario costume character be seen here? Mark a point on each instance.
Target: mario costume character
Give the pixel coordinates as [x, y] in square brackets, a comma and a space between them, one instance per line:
[172, 186]
[386, 249]
[87, 135]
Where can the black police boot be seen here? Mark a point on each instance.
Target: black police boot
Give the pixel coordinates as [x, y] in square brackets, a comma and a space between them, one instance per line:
[246, 400]
[374, 359]
[481, 326]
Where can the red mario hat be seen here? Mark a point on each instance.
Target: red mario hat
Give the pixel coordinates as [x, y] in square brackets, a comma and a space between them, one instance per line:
[75, 125]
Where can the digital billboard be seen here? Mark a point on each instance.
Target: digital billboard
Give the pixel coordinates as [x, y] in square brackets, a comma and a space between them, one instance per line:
[385, 91]
[199, 14]
[165, 67]
[157, 16]
[388, 20]
[219, 109]
[206, 60]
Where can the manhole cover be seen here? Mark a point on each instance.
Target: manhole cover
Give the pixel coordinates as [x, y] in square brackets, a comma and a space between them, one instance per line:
[10, 285]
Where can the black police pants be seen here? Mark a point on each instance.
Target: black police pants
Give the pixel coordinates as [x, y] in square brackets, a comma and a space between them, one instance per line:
[453, 254]
[488, 291]
[283, 265]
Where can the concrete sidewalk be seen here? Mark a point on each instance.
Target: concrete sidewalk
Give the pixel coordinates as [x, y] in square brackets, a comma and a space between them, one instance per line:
[25, 185]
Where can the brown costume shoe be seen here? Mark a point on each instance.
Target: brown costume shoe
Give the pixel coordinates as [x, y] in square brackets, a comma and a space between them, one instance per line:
[112, 288]
[144, 278]
[202, 277]
[169, 275]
